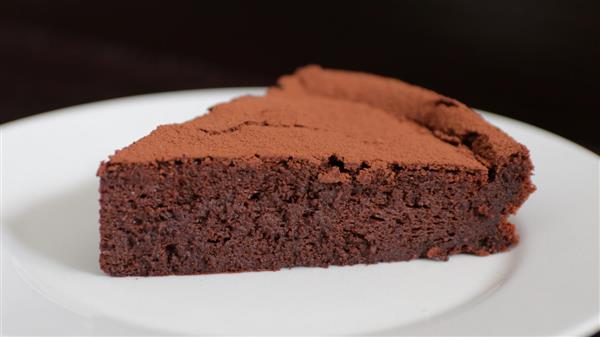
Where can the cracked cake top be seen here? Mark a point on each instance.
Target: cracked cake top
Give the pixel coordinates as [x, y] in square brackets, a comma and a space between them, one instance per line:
[309, 127]
[357, 117]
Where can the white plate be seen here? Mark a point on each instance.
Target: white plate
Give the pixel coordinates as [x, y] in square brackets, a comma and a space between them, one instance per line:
[548, 285]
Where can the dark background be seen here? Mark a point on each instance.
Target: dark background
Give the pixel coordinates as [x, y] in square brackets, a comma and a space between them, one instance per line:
[536, 61]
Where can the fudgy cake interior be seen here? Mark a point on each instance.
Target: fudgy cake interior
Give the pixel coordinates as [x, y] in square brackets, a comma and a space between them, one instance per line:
[329, 168]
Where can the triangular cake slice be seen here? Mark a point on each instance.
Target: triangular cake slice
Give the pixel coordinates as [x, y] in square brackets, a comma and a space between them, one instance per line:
[328, 168]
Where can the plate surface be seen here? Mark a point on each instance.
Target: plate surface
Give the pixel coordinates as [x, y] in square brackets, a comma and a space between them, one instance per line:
[547, 285]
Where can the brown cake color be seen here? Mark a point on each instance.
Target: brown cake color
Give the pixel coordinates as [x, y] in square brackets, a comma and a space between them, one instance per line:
[329, 168]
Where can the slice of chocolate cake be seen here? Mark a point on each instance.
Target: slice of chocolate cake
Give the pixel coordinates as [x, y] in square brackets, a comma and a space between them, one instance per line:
[329, 168]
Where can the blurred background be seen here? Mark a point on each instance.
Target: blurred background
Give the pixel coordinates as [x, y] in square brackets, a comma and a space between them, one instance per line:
[535, 61]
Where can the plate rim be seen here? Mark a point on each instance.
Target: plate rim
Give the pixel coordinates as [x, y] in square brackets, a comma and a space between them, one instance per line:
[159, 94]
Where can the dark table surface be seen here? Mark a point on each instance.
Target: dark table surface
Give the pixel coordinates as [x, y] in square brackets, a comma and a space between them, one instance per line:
[537, 62]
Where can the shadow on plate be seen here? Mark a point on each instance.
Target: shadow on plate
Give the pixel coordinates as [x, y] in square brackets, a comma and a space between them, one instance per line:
[63, 228]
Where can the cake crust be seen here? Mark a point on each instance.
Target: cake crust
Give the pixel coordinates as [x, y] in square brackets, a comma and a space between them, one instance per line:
[329, 168]
[307, 127]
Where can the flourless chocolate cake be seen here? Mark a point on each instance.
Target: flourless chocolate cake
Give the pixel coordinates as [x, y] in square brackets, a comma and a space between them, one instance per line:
[328, 168]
